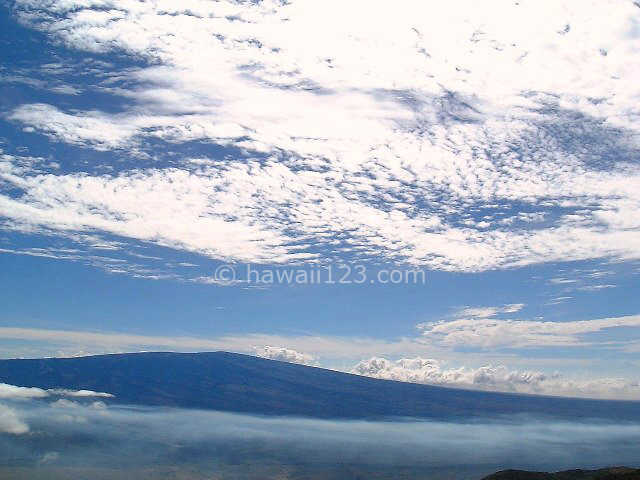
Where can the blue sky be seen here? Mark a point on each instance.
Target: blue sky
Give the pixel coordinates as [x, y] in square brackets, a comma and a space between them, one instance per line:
[145, 145]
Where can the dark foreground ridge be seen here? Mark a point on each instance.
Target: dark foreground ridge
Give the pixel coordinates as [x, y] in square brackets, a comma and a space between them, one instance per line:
[612, 473]
[245, 384]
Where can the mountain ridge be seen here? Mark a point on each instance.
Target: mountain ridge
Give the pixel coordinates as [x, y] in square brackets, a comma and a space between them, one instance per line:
[247, 384]
[609, 473]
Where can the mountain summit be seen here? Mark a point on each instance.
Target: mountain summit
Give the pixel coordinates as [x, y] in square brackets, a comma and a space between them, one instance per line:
[246, 384]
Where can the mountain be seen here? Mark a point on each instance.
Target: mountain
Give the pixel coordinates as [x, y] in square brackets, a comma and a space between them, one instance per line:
[241, 383]
[612, 473]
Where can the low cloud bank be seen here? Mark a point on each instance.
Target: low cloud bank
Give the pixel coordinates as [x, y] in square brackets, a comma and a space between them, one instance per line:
[43, 432]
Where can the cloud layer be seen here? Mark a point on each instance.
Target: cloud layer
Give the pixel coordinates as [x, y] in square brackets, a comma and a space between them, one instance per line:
[457, 137]
[120, 437]
[494, 333]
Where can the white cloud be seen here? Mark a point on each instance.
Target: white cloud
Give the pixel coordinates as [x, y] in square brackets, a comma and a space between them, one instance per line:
[494, 333]
[495, 378]
[595, 288]
[237, 212]
[92, 127]
[11, 391]
[10, 422]
[582, 280]
[389, 142]
[64, 403]
[429, 371]
[486, 312]
[48, 458]
[15, 392]
[98, 405]
[285, 355]
[63, 392]
[562, 281]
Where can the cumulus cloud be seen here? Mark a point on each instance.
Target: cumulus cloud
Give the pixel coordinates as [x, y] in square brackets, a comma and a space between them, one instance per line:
[495, 378]
[64, 403]
[12, 417]
[429, 371]
[10, 421]
[285, 355]
[385, 142]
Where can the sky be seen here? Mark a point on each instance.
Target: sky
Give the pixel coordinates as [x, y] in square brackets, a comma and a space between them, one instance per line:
[452, 188]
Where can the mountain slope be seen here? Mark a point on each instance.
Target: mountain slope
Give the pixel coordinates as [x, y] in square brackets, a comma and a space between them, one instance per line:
[612, 473]
[241, 383]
